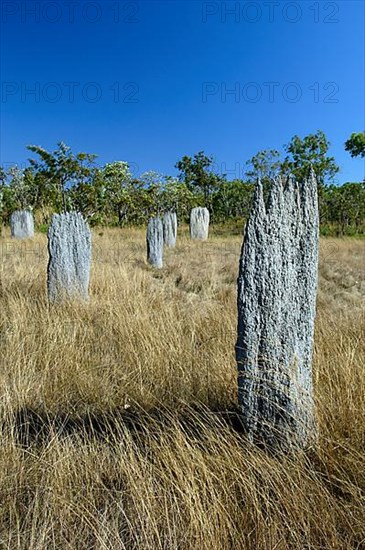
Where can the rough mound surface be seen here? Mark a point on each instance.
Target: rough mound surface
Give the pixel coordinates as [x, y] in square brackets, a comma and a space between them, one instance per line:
[22, 224]
[169, 222]
[277, 286]
[199, 223]
[69, 247]
[155, 242]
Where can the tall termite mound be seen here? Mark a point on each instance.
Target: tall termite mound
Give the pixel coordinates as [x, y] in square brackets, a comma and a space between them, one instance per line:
[169, 222]
[69, 247]
[22, 224]
[277, 286]
[154, 240]
[199, 223]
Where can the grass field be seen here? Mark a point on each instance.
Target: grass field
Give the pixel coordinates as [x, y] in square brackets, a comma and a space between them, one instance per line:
[116, 428]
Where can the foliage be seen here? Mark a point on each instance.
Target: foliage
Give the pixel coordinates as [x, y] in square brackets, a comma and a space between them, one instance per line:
[345, 206]
[17, 191]
[109, 195]
[264, 165]
[197, 174]
[311, 151]
[175, 196]
[60, 171]
[103, 196]
[232, 200]
[355, 145]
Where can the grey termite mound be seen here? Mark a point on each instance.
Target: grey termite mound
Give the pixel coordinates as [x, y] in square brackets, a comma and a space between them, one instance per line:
[277, 286]
[69, 247]
[169, 222]
[199, 223]
[22, 224]
[154, 240]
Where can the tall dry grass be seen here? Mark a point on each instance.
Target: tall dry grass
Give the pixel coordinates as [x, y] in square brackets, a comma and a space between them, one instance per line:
[115, 427]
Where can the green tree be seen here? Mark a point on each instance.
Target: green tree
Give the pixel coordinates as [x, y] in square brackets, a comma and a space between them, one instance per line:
[105, 197]
[233, 200]
[89, 198]
[345, 206]
[355, 145]
[117, 180]
[2, 197]
[2, 176]
[61, 170]
[198, 175]
[17, 191]
[265, 165]
[311, 151]
[21, 188]
[175, 196]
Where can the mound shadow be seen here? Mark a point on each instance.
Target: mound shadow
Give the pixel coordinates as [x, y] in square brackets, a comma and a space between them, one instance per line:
[30, 426]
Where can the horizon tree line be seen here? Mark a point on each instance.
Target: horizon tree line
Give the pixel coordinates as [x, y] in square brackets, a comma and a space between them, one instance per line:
[111, 195]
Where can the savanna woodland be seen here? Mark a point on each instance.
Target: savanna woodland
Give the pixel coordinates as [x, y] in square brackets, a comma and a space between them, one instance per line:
[112, 195]
[119, 420]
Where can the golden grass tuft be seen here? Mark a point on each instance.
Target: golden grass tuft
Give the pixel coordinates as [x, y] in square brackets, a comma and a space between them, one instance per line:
[111, 430]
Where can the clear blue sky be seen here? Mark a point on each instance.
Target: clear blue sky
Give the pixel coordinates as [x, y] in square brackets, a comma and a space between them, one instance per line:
[148, 81]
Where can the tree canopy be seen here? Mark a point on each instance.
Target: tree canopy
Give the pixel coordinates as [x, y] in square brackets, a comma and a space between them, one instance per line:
[310, 152]
[355, 145]
[110, 195]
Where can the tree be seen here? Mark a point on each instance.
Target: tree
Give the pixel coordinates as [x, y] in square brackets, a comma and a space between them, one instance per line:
[21, 188]
[17, 191]
[355, 145]
[89, 198]
[61, 171]
[265, 165]
[233, 200]
[2, 176]
[311, 151]
[345, 206]
[117, 180]
[175, 196]
[197, 174]
[2, 197]
[106, 196]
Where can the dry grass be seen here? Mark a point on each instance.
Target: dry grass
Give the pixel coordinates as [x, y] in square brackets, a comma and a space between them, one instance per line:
[110, 433]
